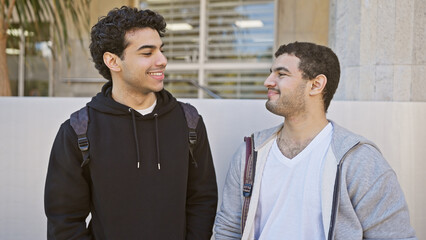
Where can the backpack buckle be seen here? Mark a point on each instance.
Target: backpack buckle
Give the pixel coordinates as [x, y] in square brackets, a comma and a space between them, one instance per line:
[192, 137]
[83, 143]
[247, 189]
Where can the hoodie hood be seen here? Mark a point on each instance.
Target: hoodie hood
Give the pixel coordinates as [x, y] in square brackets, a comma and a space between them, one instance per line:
[343, 140]
[103, 102]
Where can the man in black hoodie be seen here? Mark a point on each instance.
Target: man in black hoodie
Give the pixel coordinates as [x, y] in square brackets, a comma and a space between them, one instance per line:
[141, 182]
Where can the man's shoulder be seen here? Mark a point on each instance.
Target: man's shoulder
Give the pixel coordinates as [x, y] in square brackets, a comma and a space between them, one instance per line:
[344, 140]
[260, 137]
[357, 152]
[191, 114]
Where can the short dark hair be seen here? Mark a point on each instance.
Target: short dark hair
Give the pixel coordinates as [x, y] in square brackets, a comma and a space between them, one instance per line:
[107, 35]
[315, 60]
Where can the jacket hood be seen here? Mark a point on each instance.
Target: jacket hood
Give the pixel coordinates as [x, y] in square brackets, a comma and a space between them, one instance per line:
[103, 102]
[341, 143]
[344, 140]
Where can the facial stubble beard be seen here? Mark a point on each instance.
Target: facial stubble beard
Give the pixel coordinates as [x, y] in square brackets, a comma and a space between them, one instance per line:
[290, 105]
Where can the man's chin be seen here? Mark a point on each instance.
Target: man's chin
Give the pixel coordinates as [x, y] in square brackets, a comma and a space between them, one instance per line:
[270, 105]
[159, 88]
[273, 108]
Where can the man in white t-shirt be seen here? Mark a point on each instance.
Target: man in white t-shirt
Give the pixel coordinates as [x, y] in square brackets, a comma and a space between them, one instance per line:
[313, 178]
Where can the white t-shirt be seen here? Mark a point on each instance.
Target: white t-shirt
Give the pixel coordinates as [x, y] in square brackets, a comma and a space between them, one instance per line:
[290, 194]
[148, 110]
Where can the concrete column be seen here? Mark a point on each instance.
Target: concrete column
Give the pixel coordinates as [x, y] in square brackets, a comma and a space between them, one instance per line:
[303, 21]
[381, 47]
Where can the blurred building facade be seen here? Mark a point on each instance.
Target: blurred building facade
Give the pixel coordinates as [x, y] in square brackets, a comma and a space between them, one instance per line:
[224, 48]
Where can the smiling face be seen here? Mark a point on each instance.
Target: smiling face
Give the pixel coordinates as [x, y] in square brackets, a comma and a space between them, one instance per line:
[287, 90]
[143, 63]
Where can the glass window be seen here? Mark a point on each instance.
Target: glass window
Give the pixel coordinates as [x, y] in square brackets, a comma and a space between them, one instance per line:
[30, 54]
[182, 84]
[237, 83]
[217, 48]
[240, 31]
[181, 40]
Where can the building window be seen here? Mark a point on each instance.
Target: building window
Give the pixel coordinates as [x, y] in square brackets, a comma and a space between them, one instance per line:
[239, 31]
[29, 60]
[217, 48]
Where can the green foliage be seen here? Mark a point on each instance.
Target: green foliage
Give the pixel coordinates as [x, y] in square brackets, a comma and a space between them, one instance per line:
[52, 18]
[61, 15]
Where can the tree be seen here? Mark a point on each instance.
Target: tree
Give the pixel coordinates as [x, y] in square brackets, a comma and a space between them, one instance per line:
[30, 14]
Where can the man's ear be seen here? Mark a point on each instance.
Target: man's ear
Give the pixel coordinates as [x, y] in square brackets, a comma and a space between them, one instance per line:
[112, 61]
[318, 85]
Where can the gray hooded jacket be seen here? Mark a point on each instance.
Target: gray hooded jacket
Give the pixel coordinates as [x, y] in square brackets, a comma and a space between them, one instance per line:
[367, 202]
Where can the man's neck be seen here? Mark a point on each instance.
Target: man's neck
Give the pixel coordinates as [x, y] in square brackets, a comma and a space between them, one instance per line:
[136, 101]
[298, 132]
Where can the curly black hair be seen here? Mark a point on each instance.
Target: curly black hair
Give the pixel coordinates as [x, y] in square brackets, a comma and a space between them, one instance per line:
[107, 35]
[315, 60]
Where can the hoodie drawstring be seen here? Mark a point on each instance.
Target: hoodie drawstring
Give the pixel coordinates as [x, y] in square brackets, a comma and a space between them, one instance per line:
[135, 134]
[157, 141]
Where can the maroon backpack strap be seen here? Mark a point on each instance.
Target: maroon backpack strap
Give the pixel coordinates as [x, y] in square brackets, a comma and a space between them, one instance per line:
[249, 172]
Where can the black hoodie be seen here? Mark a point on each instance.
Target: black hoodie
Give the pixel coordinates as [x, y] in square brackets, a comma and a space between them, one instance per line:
[166, 197]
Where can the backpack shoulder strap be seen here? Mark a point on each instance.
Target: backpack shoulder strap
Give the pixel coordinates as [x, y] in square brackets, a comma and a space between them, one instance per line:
[249, 172]
[192, 117]
[79, 121]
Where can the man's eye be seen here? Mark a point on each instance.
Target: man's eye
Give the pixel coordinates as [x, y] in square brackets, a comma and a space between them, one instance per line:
[146, 54]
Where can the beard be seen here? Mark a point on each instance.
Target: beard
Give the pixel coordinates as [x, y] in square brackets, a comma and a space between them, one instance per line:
[290, 104]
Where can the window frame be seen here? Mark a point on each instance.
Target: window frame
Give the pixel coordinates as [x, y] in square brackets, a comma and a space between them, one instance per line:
[202, 66]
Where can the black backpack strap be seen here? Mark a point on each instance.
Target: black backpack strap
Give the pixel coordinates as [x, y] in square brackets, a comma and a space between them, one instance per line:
[192, 117]
[249, 172]
[79, 121]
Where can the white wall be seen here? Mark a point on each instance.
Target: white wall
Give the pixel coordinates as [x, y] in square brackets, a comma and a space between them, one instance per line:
[29, 125]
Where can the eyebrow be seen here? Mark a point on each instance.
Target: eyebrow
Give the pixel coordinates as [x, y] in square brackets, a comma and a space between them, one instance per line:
[149, 46]
[277, 69]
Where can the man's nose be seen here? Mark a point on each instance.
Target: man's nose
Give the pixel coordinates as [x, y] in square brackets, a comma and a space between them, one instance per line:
[161, 60]
[270, 81]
